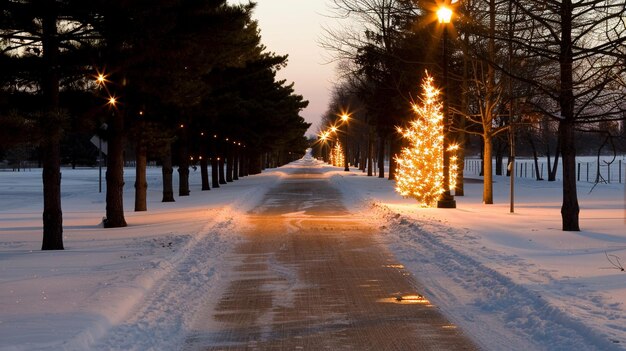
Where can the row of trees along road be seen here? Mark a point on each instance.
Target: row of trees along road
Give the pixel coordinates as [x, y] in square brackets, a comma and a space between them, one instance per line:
[549, 68]
[179, 79]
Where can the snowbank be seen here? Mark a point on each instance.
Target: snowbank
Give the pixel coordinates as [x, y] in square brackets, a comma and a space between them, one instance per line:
[152, 272]
[512, 281]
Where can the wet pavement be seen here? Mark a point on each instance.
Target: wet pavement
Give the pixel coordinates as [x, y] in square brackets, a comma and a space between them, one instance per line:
[311, 276]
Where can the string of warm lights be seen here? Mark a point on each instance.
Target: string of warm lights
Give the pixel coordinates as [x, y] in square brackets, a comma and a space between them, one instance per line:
[101, 81]
[420, 164]
[337, 158]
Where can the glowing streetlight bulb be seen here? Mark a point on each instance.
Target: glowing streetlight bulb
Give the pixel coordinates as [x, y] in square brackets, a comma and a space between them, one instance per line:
[100, 79]
[345, 117]
[333, 129]
[112, 100]
[444, 14]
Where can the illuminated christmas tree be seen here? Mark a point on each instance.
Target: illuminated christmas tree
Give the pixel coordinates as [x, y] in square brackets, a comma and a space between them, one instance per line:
[336, 156]
[420, 164]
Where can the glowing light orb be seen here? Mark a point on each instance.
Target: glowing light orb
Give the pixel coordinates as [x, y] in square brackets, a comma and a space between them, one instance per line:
[444, 14]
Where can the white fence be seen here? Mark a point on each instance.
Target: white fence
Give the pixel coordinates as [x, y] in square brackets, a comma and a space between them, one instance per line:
[587, 169]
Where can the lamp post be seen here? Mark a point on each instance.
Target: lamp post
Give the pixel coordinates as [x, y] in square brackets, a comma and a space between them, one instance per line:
[322, 142]
[444, 15]
[345, 118]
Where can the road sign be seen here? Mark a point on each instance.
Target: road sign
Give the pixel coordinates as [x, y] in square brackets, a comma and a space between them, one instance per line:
[99, 143]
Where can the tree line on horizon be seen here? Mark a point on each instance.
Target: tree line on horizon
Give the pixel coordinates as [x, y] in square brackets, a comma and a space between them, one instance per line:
[547, 75]
[175, 81]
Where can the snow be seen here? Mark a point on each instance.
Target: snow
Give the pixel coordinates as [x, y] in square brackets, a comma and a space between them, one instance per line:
[510, 281]
[136, 285]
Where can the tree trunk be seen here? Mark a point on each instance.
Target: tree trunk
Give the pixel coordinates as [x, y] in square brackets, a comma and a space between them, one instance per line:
[215, 180]
[167, 171]
[555, 165]
[535, 157]
[570, 209]
[115, 172]
[51, 147]
[460, 188]
[183, 164]
[141, 184]
[183, 179]
[537, 170]
[362, 156]
[370, 154]
[254, 160]
[381, 156]
[52, 214]
[204, 173]
[547, 138]
[115, 155]
[221, 170]
[236, 157]
[241, 162]
[489, 111]
[394, 149]
[462, 136]
[499, 157]
[598, 163]
[487, 170]
[548, 161]
[482, 160]
[229, 164]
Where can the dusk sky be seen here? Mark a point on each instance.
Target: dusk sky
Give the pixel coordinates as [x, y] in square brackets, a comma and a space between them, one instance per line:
[294, 27]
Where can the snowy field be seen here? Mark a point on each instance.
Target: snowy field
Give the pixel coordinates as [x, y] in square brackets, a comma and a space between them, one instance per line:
[511, 281]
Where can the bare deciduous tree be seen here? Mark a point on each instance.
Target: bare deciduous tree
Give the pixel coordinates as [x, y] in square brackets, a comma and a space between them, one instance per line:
[584, 42]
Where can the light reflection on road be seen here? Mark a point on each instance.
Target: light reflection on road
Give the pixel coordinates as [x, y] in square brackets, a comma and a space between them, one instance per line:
[311, 275]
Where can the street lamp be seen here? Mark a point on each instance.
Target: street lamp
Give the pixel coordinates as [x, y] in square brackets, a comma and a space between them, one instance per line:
[345, 117]
[100, 79]
[444, 14]
[112, 101]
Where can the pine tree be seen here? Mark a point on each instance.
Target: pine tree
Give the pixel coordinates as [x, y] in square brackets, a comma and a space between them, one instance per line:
[420, 165]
